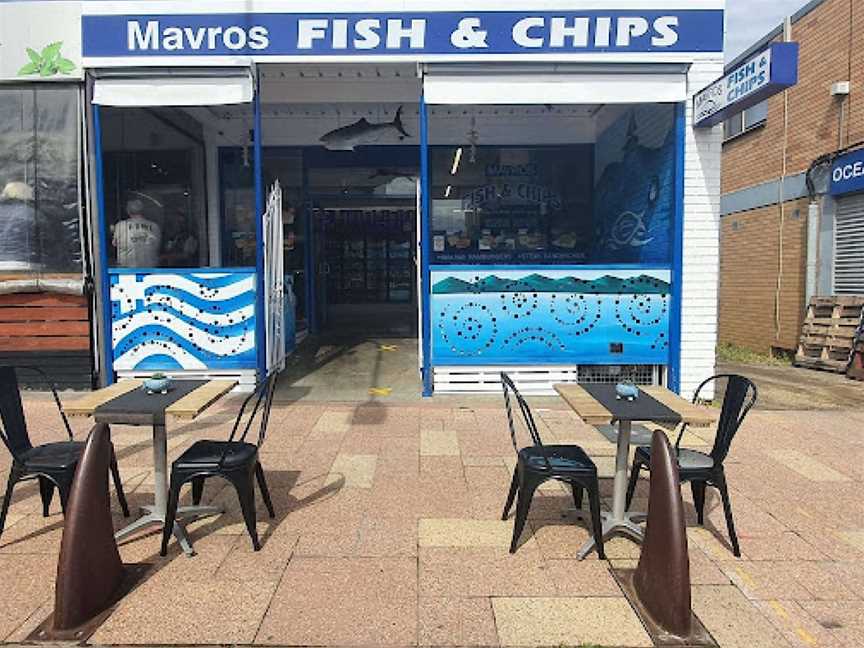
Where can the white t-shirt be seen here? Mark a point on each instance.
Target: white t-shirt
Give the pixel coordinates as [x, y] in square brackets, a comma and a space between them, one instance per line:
[137, 241]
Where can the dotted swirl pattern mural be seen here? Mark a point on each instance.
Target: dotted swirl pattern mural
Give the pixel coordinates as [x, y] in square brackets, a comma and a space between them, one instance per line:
[195, 320]
[550, 316]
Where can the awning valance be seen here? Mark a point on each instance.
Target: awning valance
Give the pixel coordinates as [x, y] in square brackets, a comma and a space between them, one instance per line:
[554, 84]
[174, 88]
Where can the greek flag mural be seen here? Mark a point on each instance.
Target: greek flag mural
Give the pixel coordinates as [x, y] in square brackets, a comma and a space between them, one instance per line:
[183, 320]
[550, 316]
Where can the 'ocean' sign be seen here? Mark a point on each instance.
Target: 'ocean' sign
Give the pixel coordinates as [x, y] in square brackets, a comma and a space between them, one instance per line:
[268, 35]
[770, 71]
[847, 173]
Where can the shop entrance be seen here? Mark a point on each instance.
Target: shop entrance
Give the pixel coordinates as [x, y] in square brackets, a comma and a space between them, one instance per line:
[362, 208]
[344, 143]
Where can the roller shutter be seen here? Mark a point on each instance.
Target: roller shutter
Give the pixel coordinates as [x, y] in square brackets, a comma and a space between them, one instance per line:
[849, 246]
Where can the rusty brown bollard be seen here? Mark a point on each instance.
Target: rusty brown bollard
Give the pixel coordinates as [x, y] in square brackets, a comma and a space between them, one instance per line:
[662, 579]
[89, 571]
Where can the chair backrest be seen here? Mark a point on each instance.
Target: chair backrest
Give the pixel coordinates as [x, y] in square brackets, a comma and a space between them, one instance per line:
[510, 391]
[738, 399]
[263, 398]
[14, 432]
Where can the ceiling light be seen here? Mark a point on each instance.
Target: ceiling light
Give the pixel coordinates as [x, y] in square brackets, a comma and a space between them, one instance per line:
[457, 157]
[448, 190]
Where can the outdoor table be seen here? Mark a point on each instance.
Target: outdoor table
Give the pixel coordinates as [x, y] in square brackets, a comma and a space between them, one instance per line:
[126, 403]
[597, 404]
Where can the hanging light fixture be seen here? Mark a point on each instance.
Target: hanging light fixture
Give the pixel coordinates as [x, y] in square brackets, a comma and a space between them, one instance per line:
[473, 137]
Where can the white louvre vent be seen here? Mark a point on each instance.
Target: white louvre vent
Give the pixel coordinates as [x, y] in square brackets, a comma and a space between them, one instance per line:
[540, 380]
[849, 246]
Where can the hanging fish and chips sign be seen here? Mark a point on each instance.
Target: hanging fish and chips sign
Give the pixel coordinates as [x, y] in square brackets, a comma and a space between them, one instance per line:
[759, 77]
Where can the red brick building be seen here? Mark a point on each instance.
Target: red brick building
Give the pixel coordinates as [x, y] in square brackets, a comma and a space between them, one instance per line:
[778, 244]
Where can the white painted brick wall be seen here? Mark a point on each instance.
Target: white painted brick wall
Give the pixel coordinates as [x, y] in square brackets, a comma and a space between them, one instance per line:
[701, 238]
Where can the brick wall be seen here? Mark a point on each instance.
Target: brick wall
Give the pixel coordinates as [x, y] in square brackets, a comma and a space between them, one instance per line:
[749, 244]
[831, 39]
[830, 50]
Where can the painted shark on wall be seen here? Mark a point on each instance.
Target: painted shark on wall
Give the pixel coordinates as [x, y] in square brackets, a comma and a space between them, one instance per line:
[637, 153]
[361, 132]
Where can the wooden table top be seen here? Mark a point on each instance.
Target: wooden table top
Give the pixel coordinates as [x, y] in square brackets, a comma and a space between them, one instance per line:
[593, 412]
[187, 407]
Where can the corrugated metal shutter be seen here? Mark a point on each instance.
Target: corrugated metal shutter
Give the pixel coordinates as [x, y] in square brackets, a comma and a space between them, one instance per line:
[849, 246]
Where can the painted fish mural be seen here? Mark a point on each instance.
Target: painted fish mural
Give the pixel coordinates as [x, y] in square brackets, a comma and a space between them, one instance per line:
[347, 138]
[635, 225]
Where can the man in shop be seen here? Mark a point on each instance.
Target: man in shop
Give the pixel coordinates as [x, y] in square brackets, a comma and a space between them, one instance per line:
[18, 249]
[137, 239]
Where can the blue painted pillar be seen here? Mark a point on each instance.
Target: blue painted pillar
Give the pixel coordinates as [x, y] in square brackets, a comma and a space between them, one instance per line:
[674, 377]
[260, 324]
[103, 279]
[425, 250]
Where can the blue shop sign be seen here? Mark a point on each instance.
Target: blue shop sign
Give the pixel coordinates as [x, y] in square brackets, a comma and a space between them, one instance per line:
[765, 74]
[847, 173]
[265, 35]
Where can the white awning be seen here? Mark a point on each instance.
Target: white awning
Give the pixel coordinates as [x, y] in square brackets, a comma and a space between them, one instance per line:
[180, 89]
[555, 84]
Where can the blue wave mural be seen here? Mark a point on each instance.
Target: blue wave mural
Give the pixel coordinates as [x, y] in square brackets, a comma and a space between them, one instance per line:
[550, 317]
[183, 320]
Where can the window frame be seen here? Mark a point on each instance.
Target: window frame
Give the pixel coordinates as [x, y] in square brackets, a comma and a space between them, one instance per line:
[744, 129]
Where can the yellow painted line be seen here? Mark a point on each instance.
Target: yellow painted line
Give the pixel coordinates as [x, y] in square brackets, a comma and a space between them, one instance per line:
[805, 636]
[388, 347]
[779, 609]
[746, 577]
[380, 391]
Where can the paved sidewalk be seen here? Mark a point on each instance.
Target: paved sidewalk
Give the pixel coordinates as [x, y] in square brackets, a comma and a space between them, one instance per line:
[388, 532]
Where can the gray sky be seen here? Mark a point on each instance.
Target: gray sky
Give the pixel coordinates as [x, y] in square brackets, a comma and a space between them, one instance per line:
[750, 20]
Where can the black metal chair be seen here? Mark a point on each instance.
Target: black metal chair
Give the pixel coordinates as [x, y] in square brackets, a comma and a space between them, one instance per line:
[539, 463]
[53, 464]
[234, 460]
[702, 469]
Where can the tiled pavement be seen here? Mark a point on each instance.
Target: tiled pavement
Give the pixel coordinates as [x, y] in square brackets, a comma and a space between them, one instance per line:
[388, 532]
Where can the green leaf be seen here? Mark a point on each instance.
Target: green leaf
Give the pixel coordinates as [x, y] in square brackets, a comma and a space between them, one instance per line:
[30, 68]
[34, 56]
[51, 52]
[64, 65]
[47, 69]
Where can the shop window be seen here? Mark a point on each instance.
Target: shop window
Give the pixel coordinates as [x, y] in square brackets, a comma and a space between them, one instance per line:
[154, 191]
[238, 206]
[504, 204]
[39, 180]
[745, 121]
[604, 194]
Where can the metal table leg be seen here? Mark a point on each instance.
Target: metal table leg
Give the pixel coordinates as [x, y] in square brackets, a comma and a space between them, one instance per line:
[154, 515]
[618, 522]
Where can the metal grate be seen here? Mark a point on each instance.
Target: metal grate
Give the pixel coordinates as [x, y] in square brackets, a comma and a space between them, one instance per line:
[639, 374]
[540, 380]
